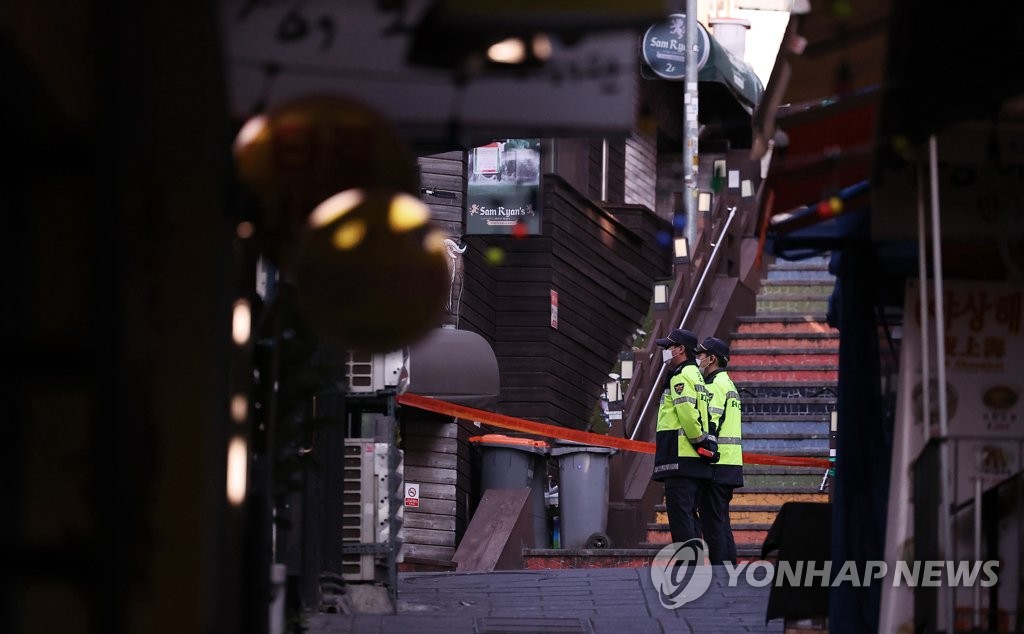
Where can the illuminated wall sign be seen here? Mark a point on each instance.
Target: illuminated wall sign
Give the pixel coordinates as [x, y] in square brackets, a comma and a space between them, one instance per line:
[503, 195]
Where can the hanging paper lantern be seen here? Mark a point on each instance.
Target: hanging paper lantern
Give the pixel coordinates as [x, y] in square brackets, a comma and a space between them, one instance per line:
[370, 270]
[309, 149]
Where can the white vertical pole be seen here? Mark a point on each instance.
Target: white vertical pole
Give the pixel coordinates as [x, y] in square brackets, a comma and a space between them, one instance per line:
[922, 288]
[945, 521]
[976, 619]
[690, 127]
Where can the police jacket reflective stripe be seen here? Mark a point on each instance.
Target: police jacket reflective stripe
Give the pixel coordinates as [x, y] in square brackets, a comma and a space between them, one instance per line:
[682, 419]
[725, 418]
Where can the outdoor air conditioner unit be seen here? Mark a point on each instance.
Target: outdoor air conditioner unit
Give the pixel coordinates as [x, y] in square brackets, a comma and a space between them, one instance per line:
[369, 372]
[372, 513]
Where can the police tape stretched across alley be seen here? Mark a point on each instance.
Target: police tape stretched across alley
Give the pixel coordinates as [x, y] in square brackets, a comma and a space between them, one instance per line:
[680, 575]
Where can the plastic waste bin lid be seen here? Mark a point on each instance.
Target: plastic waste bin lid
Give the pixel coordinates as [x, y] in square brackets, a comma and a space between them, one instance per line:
[568, 446]
[510, 442]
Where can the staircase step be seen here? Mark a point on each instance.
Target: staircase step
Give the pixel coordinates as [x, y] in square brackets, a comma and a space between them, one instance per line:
[796, 305]
[808, 374]
[785, 390]
[750, 415]
[746, 535]
[785, 358]
[779, 445]
[753, 406]
[767, 343]
[789, 429]
[783, 324]
[782, 481]
[765, 517]
[799, 287]
[759, 469]
[745, 497]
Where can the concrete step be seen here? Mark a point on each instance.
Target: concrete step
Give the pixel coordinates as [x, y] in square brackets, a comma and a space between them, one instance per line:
[784, 356]
[783, 325]
[778, 275]
[796, 305]
[786, 444]
[795, 287]
[766, 342]
[784, 481]
[749, 535]
[784, 390]
[744, 534]
[752, 406]
[749, 497]
[794, 429]
[563, 558]
[806, 374]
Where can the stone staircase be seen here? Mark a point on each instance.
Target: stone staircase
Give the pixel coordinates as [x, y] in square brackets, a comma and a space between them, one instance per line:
[785, 362]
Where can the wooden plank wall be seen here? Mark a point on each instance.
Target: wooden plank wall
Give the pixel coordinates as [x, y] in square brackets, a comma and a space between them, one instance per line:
[641, 170]
[439, 458]
[445, 175]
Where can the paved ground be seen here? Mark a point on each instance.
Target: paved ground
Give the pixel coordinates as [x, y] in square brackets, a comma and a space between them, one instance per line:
[597, 601]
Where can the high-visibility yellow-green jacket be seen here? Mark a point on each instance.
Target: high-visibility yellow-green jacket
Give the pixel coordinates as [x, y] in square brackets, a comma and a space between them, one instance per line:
[725, 422]
[682, 420]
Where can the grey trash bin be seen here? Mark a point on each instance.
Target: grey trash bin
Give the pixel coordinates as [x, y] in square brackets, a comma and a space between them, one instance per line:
[583, 494]
[514, 463]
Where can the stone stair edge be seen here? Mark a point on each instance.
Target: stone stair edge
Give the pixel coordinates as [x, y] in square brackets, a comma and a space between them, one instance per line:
[785, 436]
[789, 318]
[747, 352]
[833, 334]
[815, 418]
[746, 398]
[780, 368]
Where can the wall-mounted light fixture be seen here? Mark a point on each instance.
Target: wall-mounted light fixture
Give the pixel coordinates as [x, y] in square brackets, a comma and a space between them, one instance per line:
[661, 292]
[626, 364]
[681, 250]
[613, 392]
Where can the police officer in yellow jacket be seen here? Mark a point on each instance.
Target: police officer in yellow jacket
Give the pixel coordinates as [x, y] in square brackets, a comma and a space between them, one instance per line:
[723, 443]
[682, 420]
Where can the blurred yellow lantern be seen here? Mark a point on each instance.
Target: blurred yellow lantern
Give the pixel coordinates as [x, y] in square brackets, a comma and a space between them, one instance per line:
[370, 271]
[309, 149]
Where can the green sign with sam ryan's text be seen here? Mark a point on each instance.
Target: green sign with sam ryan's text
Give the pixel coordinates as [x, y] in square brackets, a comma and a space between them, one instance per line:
[503, 195]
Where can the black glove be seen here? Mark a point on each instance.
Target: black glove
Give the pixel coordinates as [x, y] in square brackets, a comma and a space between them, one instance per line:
[707, 449]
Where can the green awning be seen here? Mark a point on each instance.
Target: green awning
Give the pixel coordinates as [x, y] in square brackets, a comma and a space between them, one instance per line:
[725, 68]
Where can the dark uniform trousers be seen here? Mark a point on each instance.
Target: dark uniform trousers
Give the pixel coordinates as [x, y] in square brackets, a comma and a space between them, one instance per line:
[682, 493]
[713, 501]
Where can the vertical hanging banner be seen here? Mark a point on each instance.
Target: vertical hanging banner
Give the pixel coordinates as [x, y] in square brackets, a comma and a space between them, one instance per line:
[503, 195]
[984, 359]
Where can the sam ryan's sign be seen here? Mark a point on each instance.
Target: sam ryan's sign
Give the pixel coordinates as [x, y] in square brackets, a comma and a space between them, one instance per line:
[503, 196]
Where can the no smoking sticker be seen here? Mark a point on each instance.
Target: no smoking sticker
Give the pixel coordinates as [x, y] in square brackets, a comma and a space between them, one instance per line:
[412, 495]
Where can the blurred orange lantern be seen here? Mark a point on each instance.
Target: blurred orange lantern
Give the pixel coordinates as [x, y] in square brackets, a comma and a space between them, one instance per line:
[370, 270]
[309, 149]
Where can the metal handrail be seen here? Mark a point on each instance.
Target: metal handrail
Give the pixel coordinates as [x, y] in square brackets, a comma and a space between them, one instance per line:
[686, 315]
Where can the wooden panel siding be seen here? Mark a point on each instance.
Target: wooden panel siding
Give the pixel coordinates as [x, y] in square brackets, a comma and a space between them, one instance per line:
[603, 272]
[444, 173]
[641, 170]
[438, 457]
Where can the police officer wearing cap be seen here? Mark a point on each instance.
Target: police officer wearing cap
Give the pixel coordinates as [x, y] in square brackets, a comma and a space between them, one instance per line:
[722, 448]
[682, 418]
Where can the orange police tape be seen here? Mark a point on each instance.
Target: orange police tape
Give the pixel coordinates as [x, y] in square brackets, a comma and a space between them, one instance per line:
[563, 433]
